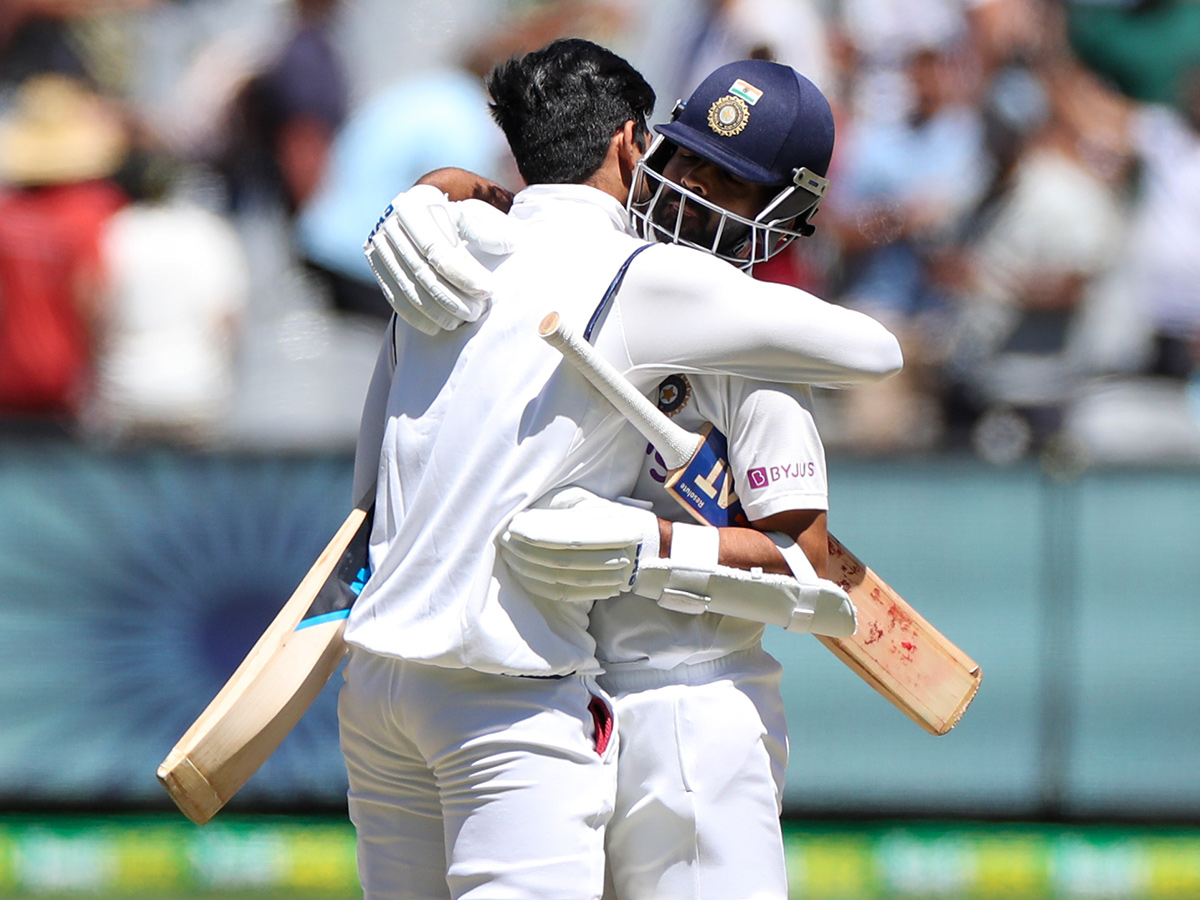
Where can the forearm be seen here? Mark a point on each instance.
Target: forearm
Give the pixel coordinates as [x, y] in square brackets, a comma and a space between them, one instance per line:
[748, 548]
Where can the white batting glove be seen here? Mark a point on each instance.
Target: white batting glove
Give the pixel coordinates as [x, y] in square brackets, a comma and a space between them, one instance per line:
[579, 547]
[420, 252]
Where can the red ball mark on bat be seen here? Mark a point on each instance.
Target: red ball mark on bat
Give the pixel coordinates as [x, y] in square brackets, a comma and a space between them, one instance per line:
[874, 633]
[898, 618]
[909, 650]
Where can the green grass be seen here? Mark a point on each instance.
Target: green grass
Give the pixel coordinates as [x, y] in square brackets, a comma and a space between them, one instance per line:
[166, 858]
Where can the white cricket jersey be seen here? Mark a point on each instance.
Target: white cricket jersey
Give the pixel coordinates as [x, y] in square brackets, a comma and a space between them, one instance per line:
[778, 464]
[466, 428]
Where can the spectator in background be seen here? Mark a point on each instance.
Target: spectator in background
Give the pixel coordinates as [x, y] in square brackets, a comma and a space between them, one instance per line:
[1046, 243]
[1162, 259]
[435, 119]
[284, 118]
[905, 186]
[1143, 47]
[58, 148]
[177, 283]
[792, 32]
[35, 39]
[421, 123]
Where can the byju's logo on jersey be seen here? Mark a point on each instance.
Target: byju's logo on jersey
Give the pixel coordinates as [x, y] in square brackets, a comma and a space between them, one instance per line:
[764, 475]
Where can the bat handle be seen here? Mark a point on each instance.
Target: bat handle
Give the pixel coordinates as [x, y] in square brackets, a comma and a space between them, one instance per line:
[676, 445]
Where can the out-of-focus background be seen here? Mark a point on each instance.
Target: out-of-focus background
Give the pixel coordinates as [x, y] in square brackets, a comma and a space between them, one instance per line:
[187, 327]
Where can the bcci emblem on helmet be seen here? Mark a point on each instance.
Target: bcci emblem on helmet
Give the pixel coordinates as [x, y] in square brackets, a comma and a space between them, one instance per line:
[728, 116]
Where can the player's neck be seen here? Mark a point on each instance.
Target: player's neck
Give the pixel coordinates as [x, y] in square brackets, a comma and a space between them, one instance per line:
[615, 174]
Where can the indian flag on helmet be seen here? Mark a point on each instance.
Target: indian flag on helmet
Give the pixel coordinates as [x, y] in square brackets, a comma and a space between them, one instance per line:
[746, 91]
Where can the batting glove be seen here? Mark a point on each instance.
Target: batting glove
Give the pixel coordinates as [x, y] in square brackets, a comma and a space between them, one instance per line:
[420, 252]
[579, 547]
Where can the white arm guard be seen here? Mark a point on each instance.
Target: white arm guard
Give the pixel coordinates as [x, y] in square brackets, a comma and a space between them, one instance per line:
[691, 581]
[420, 254]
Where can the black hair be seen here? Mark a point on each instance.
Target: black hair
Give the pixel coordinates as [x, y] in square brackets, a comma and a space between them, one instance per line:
[560, 106]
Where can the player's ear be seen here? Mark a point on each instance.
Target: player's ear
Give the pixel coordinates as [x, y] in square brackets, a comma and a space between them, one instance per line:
[629, 150]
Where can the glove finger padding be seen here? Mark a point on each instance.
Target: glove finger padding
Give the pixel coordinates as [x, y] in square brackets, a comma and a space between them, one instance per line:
[564, 592]
[399, 290]
[420, 254]
[578, 528]
[615, 580]
[578, 546]
[606, 559]
[448, 307]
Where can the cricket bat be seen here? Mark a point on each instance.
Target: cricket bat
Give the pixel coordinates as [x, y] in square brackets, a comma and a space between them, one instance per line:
[894, 649]
[277, 681]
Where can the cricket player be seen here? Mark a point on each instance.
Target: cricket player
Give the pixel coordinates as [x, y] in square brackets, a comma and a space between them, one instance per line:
[703, 741]
[479, 747]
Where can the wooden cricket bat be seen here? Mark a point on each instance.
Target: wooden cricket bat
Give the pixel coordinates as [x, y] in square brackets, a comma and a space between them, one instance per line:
[277, 681]
[893, 649]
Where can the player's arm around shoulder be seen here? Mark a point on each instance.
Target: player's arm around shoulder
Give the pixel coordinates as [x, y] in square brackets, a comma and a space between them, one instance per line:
[685, 308]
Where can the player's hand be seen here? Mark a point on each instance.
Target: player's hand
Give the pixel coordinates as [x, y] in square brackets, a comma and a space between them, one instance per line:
[579, 547]
[420, 252]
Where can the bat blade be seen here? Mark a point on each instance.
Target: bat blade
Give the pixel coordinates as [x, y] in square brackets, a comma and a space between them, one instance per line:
[897, 652]
[894, 649]
[275, 684]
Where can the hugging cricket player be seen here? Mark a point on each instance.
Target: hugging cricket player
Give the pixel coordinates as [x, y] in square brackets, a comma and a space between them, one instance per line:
[893, 648]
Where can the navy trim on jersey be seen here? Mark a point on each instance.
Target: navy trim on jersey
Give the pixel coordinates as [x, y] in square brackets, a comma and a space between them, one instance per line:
[615, 286]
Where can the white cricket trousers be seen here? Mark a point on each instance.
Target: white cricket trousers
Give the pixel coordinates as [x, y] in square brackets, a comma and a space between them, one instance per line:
[468, 785]
[699, 782]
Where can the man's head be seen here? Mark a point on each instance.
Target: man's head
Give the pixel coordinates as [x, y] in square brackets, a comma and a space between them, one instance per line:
[740, 168]
[560, 106]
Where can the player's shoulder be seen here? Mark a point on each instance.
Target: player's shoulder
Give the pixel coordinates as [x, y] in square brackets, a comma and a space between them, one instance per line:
[749, 398]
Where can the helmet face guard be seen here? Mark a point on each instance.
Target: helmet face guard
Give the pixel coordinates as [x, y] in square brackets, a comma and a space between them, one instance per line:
[660, 210]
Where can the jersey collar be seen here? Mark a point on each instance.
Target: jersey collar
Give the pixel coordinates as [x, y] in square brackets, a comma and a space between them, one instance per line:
[573, 199]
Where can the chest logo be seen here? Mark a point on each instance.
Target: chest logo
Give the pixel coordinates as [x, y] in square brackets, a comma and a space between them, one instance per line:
[728, 116]
[673, 394]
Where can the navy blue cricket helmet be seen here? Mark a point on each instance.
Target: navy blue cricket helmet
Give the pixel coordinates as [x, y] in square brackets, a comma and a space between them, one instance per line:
[763, 122]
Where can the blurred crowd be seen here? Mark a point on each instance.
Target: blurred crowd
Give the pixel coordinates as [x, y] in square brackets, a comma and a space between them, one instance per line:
[185, 186]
